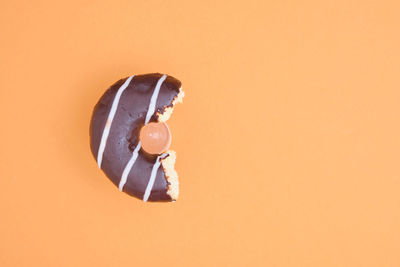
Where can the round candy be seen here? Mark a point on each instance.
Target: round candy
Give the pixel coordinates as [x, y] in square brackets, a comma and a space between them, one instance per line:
[130, 105]
[155, 137]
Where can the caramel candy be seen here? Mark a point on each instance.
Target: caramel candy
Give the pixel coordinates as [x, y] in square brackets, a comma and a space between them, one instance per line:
[155, 137]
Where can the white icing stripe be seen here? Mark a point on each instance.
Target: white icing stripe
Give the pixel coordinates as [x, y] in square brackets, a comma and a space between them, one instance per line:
[109, 121]
[150, 112]
[153, 100]
[129, 166]
[152, 179]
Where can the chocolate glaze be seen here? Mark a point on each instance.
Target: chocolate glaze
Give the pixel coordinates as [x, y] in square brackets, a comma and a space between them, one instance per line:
[124, 132]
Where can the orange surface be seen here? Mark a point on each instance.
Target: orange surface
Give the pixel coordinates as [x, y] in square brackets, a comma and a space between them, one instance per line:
[288, 139]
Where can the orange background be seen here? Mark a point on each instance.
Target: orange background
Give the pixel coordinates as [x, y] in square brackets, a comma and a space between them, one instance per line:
[288, 138]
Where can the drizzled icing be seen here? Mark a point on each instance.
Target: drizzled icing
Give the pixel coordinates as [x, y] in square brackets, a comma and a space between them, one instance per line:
[129, 166]
[152, 179]
[110, 119]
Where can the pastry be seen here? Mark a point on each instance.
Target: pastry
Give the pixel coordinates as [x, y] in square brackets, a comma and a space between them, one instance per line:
[129, 136]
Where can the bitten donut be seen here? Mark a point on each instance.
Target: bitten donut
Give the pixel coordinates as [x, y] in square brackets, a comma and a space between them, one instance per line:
[129, 136]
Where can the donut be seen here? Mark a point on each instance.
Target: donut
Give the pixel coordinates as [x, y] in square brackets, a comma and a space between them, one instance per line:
[130, 139]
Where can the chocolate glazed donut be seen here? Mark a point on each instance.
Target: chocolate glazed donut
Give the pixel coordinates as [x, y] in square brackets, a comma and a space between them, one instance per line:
[117, 119]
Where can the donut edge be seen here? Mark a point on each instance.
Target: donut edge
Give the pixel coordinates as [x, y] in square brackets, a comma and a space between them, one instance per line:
[168, 163]
[168, 166]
